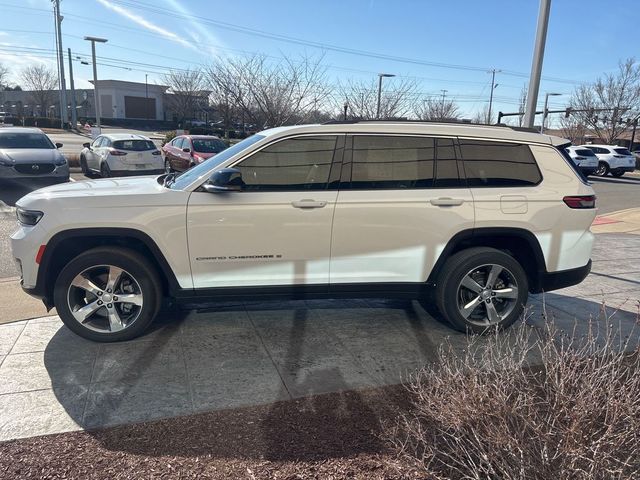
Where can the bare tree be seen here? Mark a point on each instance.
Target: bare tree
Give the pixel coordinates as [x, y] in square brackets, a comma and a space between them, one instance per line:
[482, 116]
[41, 81]
[186, 93]
[619, 93]
[4, 76]
[437, 108]
[522, 104]
[269, 94]
[398, 98]
[572, 128]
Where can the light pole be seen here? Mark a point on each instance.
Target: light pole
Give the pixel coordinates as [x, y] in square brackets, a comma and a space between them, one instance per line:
[380, 75]
[536, 64]
[544, 111]
[96, 94]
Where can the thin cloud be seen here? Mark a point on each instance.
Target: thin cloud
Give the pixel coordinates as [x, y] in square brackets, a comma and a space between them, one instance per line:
[145, 23]
[201, 34]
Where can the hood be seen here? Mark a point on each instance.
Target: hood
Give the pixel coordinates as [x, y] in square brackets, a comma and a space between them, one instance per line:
[93, 192]
[30, 155]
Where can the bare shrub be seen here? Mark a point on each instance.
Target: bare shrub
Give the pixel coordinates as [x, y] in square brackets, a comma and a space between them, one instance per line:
[486, 413]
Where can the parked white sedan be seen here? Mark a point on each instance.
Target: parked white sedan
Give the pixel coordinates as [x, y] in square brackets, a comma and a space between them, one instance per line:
[121, 154]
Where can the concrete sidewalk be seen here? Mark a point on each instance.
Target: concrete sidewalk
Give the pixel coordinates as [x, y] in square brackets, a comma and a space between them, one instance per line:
[239, 354]
[623, 221]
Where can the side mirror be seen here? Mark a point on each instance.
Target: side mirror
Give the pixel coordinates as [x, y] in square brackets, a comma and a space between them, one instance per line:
[86, 145]
[224, 180]
[58, 145]
[186, 150]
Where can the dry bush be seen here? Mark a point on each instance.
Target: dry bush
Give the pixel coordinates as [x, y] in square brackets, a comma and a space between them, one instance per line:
[487, 413]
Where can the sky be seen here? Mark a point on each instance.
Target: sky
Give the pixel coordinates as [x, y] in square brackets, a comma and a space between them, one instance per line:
[443, 44]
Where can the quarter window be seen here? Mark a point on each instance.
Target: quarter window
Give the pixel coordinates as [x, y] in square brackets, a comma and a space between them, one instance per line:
[301, 163]
[499, 164]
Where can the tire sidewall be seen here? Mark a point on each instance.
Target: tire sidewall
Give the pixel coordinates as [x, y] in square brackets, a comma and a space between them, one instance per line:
[458, 266]
[105, 172]
[129, 261]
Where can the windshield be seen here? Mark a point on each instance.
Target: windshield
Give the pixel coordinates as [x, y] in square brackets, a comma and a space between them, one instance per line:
[194, 173]
[622, 151]
[25, 140]
[134, 145]
[208, 145]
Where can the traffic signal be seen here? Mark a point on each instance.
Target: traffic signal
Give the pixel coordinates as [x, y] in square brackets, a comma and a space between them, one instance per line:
[567, 112]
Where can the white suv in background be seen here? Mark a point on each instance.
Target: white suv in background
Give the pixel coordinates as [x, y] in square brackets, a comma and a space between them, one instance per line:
[121, 154]
[612, 159]
[584, 159]
[479, 216]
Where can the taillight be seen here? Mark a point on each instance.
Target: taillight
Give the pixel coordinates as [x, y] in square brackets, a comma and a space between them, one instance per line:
[156, 152]
[117, 153]
[580, 201]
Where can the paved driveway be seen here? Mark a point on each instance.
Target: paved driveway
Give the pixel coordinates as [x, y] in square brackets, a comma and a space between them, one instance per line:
[236, 354]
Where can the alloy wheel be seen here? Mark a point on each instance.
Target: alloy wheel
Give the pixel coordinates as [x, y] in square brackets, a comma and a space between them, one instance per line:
[105, 298]
[487, 295]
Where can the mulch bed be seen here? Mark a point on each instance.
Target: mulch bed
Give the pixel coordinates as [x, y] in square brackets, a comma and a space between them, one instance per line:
[331, 436]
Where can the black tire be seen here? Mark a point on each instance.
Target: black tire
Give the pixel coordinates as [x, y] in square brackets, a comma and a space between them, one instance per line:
[134, 265]
[83, 165]
[449, 290]
[167, 166]
[105, 171]
[617, 173]
[602, 170]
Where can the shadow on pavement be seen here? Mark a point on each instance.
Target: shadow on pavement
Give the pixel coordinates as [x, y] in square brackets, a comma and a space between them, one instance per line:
[316, 426]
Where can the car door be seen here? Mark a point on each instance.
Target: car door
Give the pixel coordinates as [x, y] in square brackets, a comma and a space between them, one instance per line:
[401, 200]
[93, 155]
[275, 231]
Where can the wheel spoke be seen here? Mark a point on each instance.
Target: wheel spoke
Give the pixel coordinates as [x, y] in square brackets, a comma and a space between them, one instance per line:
[133, 298]
[83, 313]
[509, 292]
[114, 278]
[468, 309]
[115, 322]
[471, 284]
[492, 313]
[86, 284]
[496, 270]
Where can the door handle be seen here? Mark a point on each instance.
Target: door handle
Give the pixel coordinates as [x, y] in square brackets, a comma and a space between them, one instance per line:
[446, 202]
[307, 203]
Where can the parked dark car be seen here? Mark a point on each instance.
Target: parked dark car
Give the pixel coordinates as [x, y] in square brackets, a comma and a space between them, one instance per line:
[185, 151]
[27, 154]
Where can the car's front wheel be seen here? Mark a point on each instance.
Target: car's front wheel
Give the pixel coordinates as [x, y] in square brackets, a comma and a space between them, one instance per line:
[108, 294]
[167, 166]
[480, 289]
[105, 171]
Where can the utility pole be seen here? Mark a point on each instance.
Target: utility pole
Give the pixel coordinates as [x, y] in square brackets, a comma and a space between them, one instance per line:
[74, 112]
[146, 95]
[444, 94]
[493, 72]
[96, 93]
[61, 82]
[536, 65]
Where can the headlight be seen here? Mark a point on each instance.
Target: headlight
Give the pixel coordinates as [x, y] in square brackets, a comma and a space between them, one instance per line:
[28, 217]
[61, 160]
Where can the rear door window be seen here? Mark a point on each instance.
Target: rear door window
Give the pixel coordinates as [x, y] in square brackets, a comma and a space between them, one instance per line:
[622, 151]
[498, 164]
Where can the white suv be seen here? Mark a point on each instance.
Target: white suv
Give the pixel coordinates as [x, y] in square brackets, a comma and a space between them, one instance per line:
[121, 154]
[584, 159]
[481, 216]
[612, 159]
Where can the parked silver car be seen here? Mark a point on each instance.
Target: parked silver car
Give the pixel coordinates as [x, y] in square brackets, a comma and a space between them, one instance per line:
[27, 154]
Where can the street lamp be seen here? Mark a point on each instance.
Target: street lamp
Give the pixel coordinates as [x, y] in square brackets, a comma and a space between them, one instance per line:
[96, 95]
[380, 75]
[544, 112]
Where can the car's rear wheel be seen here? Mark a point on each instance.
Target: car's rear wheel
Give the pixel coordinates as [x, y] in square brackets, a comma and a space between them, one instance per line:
[481, 289]
[108, 294]
[602, 169]
[105, 171]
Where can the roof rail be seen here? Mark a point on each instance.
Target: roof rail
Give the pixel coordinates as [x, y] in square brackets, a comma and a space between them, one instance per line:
[436, 122]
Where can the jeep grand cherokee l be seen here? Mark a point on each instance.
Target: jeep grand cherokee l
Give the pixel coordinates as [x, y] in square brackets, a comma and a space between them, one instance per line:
[481, 216]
